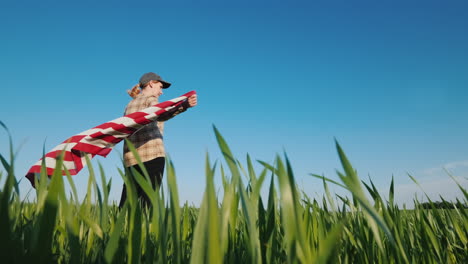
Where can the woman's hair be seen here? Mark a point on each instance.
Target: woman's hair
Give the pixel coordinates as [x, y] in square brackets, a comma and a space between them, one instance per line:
[134, 91]
[136, 88]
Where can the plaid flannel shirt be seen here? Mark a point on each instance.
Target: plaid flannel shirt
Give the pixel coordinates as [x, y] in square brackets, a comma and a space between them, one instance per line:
[148, 141]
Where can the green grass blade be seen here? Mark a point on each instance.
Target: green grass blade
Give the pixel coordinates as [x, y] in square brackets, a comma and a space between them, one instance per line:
[351, 180]
[330, 244]
[113, 243]
[174, 212]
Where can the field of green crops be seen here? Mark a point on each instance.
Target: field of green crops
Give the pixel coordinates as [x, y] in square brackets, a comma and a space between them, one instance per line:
[237, 226]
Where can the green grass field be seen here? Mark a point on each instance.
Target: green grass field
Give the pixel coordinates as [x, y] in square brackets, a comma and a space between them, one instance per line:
[239, 226]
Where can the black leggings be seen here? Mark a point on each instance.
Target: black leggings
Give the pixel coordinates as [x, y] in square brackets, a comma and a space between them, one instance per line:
[155, 168]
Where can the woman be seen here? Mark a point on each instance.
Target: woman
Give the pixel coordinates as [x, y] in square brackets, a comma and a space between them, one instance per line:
[148, 141]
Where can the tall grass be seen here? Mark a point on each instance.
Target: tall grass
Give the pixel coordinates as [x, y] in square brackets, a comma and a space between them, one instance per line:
[238, 226]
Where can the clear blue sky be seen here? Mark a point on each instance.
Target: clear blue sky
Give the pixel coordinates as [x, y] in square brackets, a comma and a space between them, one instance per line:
[387, 79]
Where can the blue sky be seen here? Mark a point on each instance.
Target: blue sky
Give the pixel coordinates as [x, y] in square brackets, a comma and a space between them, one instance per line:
[387, 79]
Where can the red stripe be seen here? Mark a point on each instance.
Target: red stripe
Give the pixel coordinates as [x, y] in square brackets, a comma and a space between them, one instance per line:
[139, 118]
[37, 169]
[68, 156]
[106, 137]
[160, 112]
[189, 94]
[117, 127]
[165, 104]
[74, 139]
[88, 148]
[104, 152]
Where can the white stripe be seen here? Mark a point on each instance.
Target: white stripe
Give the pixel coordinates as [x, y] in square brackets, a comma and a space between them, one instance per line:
[97, 142]
[63, 146]
[51, 163]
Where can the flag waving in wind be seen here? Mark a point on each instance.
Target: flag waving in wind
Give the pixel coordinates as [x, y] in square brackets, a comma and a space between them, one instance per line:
[101, 139]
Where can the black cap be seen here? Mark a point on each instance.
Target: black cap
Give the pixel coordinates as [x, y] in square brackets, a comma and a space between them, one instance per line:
[151, 76]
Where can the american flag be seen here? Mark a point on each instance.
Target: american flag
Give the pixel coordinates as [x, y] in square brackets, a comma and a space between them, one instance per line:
[101, 139]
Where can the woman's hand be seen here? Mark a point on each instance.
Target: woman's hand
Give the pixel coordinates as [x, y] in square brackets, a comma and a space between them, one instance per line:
[192, 100]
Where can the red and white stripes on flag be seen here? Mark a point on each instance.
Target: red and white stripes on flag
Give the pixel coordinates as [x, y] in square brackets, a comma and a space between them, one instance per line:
[101, 139]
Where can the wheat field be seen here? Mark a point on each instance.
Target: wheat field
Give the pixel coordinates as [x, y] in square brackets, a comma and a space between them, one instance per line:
[237, 226]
